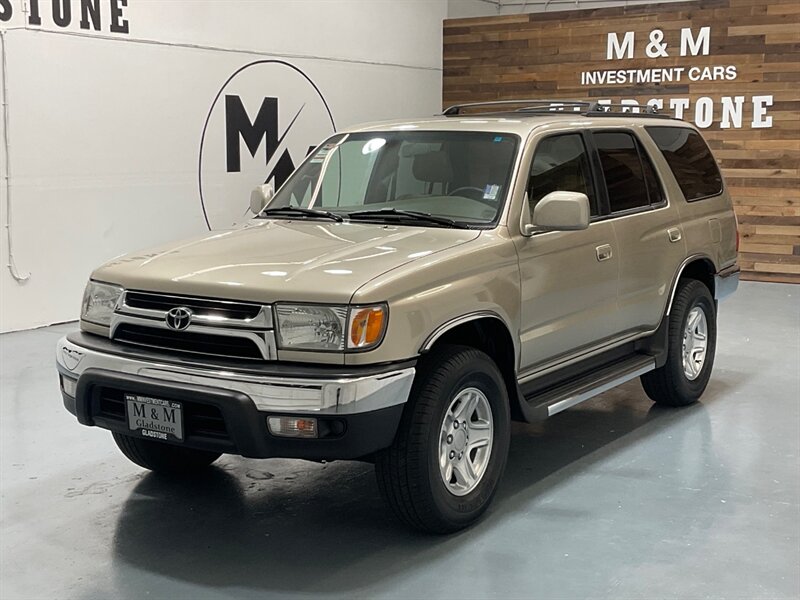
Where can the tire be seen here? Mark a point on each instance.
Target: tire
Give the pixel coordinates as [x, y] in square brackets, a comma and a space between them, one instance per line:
[409, 475]
[671, 385]
[164, 458]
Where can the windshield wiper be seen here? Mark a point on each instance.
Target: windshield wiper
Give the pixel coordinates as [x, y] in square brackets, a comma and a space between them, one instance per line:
[308, 212]
[414, 215]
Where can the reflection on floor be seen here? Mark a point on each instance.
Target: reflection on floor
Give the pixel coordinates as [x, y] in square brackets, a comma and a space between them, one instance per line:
[614, 498]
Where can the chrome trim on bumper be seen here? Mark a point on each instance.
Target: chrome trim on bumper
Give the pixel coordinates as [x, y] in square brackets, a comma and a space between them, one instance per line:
[336, 396]
[726, 282]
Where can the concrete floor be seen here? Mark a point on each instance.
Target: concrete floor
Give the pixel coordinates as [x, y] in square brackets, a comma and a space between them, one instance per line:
[615, 498]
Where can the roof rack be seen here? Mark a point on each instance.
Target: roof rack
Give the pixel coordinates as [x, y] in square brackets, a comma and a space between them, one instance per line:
[642, 110]
[578, 107]
[530, 105]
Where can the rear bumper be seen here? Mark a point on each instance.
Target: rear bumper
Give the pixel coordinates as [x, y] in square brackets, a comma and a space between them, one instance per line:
[358, 411]
[726, 282]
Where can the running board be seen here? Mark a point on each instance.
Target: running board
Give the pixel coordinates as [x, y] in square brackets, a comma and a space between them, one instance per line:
[592, 384]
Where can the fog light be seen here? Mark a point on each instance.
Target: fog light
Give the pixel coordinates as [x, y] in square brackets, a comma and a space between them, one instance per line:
[69, 386]
[301, 427]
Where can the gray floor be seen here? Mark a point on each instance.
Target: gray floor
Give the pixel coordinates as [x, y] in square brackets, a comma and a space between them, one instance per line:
[613, 499]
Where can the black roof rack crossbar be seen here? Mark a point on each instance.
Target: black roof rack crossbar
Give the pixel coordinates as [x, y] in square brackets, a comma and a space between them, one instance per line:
[578, 107]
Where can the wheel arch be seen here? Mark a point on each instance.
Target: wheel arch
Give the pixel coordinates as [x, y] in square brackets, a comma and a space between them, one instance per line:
[698, 266]
[488, 332]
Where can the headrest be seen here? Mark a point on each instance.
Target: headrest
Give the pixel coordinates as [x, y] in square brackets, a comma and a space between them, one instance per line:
[433, 167]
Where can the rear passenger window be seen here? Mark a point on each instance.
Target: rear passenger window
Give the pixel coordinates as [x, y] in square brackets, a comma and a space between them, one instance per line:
[630, 178]
[653, 186]
[560, 163]
[690, 159]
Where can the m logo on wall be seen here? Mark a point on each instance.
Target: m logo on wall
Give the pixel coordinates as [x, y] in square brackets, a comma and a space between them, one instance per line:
[262, 123]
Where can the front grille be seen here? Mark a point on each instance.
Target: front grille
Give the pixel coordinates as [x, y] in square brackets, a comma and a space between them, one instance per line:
[200, 306]
[188, 341]
[201, 420]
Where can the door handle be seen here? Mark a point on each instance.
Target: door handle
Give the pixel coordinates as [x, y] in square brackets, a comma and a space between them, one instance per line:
[603, 252]
[674, 234]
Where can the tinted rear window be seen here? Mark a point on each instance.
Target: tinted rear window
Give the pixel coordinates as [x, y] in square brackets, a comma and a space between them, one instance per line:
[690, 159]
[622, 169]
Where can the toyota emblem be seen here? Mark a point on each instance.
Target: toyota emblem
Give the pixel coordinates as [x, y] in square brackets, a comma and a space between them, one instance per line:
[179, 318]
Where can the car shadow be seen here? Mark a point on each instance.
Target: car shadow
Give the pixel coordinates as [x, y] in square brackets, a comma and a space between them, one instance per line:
[279, 525]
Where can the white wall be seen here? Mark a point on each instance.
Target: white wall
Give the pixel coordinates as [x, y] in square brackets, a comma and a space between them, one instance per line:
[105, 127]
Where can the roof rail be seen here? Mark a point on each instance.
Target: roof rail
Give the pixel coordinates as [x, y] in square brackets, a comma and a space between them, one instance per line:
[529, 105]
[579, 107]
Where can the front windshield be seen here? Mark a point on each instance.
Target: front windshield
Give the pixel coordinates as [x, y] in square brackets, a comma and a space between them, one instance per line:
[462, 176]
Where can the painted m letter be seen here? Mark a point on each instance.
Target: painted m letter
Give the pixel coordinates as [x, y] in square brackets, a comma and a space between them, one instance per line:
[624, 50]
[695, 46]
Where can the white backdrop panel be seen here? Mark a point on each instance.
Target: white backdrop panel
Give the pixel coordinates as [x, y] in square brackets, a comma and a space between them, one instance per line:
[105, 137]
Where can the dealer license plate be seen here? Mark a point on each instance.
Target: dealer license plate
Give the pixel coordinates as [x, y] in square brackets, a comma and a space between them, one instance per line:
[155, 418]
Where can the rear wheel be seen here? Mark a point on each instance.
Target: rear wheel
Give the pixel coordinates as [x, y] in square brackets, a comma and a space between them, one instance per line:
[692, 342]
[442, 470]
[163, 458]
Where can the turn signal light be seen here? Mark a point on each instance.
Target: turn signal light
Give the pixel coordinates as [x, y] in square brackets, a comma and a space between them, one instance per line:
[300, 427]
[69, 386]
[367, 326]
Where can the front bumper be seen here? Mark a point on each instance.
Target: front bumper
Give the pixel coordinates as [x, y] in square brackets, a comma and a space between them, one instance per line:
[358, 410]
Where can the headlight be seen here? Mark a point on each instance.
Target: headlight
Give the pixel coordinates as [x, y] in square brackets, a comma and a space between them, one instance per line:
[330, 328]
[99, 301]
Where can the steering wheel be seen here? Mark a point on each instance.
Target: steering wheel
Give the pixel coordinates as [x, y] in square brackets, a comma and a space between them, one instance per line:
[467, 188]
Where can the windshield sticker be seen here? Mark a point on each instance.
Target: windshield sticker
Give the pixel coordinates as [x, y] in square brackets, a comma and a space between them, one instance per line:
[322, 153]
[498, 138]
[490, 191]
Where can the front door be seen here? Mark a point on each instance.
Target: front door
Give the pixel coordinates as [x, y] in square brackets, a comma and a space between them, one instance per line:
[568, 278]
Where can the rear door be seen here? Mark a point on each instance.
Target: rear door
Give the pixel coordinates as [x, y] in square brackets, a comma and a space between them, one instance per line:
[648, 228]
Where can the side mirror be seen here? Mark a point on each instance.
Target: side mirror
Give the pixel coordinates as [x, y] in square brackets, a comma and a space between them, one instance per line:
[561, 211]
[260, 197]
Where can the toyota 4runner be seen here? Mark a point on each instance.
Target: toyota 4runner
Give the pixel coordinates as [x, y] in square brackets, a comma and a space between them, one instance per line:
[412, 288]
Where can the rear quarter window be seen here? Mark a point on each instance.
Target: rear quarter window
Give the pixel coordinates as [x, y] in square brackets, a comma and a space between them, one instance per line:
[690, 160]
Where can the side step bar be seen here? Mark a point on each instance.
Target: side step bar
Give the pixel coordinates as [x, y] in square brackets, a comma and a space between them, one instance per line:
[592, 384]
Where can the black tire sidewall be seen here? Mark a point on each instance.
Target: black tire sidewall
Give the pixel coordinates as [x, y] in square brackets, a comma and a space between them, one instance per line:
[694, 294]
[480, 373]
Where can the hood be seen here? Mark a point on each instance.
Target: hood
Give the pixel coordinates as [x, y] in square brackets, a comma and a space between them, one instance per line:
[274, 260]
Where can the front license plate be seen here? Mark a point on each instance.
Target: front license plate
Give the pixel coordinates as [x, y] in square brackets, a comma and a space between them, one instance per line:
[155, 418]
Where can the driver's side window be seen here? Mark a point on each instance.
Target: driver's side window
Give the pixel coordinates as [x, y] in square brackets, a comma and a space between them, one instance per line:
[560, 163]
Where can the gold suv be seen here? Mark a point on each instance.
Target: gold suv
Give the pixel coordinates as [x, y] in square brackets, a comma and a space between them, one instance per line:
[412, 288]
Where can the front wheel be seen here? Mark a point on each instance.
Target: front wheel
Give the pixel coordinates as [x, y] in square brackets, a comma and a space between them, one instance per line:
[691, 344]
[442, 470]
[163, 458]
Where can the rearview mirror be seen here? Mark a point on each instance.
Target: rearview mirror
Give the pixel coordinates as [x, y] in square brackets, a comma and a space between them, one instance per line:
[561, 211]
[260, 197]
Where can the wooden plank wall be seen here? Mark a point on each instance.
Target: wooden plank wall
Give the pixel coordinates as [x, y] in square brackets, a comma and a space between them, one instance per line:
[541, 55]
